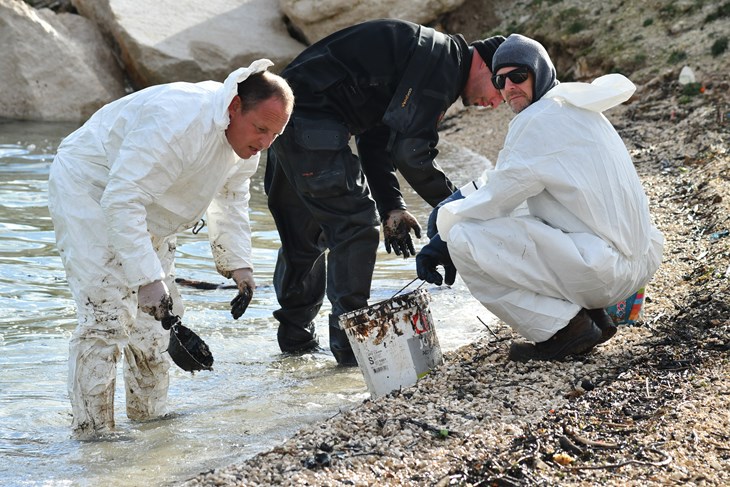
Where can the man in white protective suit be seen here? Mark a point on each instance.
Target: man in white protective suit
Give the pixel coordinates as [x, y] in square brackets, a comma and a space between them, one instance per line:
[560, 228]
[140, 170]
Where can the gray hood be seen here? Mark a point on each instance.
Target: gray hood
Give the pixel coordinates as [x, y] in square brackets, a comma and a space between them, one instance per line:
[522, 51]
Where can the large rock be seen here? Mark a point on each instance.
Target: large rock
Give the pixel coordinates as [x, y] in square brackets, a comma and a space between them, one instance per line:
[54, 67]
[191, 40]
[315, 19]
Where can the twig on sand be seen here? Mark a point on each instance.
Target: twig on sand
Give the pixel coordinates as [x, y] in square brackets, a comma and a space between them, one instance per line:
[490, 330]
[666, 460]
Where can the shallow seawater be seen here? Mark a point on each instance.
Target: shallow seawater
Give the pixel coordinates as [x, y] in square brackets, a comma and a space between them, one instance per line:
[253, 399]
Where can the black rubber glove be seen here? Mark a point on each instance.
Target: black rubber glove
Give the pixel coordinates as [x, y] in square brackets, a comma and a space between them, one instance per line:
[243, 278]
[432, 255]
[431, 228]
[241, 302]
[396, 232]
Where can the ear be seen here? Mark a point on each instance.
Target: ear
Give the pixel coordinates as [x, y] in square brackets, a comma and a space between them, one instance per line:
[477, 65]
[235, 105]
[484, 68]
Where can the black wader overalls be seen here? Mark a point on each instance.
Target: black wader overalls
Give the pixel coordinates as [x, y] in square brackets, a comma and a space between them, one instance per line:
[388, 83]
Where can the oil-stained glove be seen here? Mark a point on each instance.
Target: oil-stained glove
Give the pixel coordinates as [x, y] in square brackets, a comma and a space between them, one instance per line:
[240, 303]
[435, 253]
[154, 299]
[245, 282]
[431, 228]
[396, 232]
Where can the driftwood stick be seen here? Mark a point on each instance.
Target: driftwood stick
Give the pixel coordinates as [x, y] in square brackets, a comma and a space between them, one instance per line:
[588, 442]
[666, 460]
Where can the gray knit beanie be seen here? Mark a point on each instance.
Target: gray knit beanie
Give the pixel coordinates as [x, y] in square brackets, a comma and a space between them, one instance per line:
[487, 47]
[521, 51]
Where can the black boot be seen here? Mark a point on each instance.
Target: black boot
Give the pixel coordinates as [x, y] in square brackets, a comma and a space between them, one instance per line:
[341, 348]
[579, 336]
[295, 339]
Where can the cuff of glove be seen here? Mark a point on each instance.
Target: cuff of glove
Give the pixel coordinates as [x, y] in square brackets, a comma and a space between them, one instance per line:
[384, 216]
[431, 227]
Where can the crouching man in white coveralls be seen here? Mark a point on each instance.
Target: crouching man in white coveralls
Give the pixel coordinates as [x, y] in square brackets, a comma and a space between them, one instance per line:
[561, 228]
[140, 170]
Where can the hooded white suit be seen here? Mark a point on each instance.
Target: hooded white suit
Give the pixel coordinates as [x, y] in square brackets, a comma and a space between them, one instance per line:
[585, 240]
[138, 171]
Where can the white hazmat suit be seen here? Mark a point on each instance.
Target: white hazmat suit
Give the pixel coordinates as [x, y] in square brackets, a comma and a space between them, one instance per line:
[586, 239]
[138, 171]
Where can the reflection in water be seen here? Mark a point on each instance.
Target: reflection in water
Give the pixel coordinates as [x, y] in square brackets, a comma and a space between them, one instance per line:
[254, 399]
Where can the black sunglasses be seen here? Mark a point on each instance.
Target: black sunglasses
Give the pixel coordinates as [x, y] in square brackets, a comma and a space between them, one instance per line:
[516, 76]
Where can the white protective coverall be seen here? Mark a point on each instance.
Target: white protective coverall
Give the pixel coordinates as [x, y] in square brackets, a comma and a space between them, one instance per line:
[138, 171]
[584, 239]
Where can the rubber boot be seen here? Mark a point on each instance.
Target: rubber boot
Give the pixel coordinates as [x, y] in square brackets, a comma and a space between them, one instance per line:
[341, 348]
[297, 340]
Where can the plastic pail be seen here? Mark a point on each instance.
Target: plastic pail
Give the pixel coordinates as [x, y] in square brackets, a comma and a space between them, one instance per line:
[394, 341]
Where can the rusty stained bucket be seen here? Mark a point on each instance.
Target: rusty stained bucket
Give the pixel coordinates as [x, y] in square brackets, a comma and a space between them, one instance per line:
[394, 341]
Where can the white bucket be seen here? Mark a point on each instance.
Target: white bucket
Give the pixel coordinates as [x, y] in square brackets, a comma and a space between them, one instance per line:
[394, 341]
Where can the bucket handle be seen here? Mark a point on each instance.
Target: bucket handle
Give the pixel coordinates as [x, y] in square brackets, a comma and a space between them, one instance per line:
[401, 290]
[404, 287]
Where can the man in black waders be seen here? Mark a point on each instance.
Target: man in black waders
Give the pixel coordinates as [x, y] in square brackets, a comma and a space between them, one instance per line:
[388, 83]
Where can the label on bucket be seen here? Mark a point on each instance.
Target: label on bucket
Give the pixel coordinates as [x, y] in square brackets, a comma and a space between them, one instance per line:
[394, 341]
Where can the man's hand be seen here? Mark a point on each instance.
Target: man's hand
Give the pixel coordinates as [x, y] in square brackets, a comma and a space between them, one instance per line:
[246, 284]
[396, 232]
[432, 255]
[154, 299]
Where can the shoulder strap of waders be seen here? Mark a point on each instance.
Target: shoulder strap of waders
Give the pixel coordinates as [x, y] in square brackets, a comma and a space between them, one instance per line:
[404, 103]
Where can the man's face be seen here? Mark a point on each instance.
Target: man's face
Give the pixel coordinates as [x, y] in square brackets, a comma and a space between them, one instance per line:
[254, 130]
[518, 87]
[479, 90]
